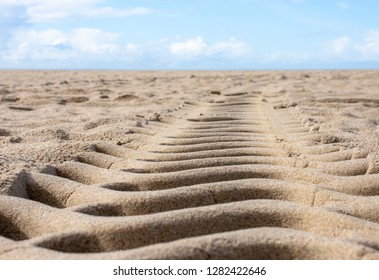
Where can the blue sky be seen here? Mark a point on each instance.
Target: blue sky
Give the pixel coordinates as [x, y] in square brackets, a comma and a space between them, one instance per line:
[173, 34]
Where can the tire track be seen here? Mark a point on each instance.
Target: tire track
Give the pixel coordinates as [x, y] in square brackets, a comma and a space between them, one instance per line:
[234, 177]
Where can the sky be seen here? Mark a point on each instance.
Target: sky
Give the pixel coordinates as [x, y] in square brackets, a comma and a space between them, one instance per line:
[196, 34]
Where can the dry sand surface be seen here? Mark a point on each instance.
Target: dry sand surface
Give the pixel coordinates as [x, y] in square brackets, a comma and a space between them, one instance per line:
[189, 165]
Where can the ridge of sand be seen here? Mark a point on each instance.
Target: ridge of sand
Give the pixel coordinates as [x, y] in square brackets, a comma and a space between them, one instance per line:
[189, 165]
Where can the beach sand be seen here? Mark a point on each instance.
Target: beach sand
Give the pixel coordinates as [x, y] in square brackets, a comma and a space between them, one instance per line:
[189, 165]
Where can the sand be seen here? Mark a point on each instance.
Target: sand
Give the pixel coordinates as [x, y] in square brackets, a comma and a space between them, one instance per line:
[189, 165]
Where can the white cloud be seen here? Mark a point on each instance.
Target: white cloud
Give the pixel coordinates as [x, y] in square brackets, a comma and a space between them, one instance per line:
[370, 46]
[347, 49]
[198, 47]
[48, 11]
[232, 47]
[192, 47]
[94, 41]
[31, 45]
[85, 47]
[340, 45]
[111, 12]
